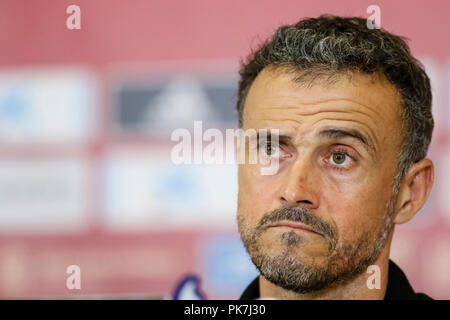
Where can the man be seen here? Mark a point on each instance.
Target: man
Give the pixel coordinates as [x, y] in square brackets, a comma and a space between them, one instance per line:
[353, 112]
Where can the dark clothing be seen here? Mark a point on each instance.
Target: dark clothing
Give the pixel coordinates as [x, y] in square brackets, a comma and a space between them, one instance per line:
[398, 287]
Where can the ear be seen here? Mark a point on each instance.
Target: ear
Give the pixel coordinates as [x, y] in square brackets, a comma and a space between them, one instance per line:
[414, 190]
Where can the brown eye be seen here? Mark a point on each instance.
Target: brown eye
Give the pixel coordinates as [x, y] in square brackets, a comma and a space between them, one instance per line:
[339, 158]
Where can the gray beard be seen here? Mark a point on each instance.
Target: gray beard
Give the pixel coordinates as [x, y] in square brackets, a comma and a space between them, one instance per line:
[344, 261]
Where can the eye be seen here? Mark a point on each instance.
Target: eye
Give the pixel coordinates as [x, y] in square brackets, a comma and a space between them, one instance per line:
[339, 158]
[270, 149]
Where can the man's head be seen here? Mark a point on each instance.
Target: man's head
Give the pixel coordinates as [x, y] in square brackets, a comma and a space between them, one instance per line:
[353, 110]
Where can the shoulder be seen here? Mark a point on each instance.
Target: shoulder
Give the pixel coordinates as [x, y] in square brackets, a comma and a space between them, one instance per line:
[399, 288]
[422, 296]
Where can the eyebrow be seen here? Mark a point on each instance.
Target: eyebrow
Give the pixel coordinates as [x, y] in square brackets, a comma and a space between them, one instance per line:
[282, 138]
[334, 133]
[331, 133]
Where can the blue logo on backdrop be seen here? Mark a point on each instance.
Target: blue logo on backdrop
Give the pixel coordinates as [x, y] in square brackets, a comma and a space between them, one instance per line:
[226, 264]
[14, 109]
[189, 289]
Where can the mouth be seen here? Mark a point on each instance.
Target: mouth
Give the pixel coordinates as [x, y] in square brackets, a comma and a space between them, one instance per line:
[293, 225]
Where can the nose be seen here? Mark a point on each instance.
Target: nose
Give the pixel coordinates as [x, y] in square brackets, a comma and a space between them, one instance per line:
[300, 186]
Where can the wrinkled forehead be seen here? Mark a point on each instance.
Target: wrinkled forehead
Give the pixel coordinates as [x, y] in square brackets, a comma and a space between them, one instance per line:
[280, 98]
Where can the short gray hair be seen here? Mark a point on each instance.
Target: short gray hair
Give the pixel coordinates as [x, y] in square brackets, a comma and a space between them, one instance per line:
[330, 45]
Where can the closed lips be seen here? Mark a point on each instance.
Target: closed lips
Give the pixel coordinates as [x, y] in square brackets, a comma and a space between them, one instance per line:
[293, 225]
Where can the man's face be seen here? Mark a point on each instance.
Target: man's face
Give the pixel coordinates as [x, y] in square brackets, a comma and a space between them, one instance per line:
[324, 215]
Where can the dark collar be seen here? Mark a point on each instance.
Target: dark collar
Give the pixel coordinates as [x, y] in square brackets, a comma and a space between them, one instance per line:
[398, 287]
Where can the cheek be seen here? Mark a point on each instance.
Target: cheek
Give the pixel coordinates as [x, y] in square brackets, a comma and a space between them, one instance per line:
[357, 211]
[257, 194]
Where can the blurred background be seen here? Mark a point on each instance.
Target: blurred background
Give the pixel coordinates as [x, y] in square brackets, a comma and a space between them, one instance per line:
[85, 122]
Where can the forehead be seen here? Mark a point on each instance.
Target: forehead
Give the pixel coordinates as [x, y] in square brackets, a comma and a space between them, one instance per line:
[370, 102]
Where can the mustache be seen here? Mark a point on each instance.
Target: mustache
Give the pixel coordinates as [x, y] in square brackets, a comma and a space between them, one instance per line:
[297, 214]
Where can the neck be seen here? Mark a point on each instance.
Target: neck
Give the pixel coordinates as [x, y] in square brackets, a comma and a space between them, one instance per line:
[355, 288]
